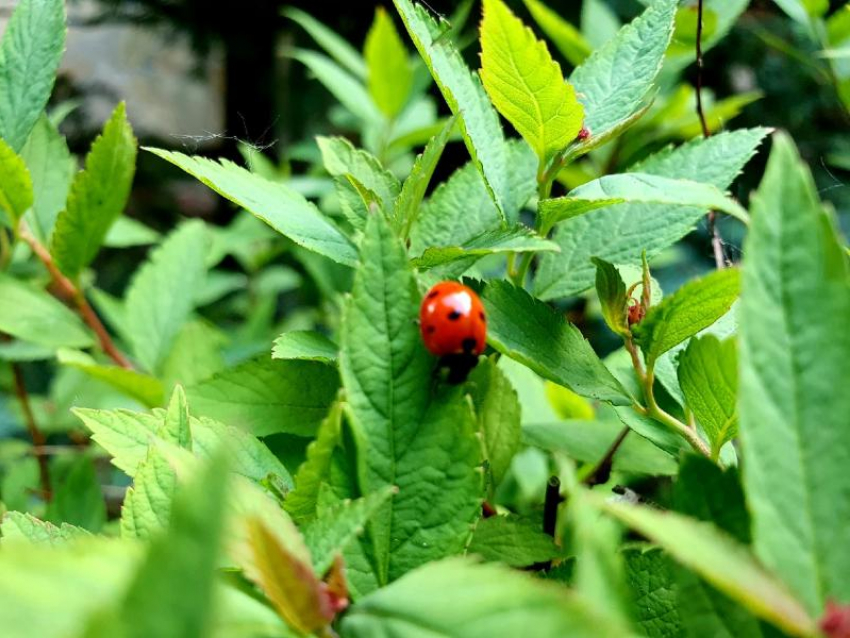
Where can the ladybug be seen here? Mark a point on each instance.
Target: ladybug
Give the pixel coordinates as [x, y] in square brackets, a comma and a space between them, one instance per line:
[454, 327]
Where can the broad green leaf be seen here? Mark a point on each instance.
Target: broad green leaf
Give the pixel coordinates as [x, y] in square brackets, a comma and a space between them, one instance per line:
[175, 428]
[346, 88]
[708, 376]
[569, 41]
[24, 351]
[612, 296]
[537, 336]
[277, 205]
[599, 23]
[340, 157]
[721, 560]
[413, 190]
[795, 354]
[97, 197]
[694, 307]
[15, 185]
[620, 233]
[497, 409]
[160, 298]
[519, 239]
[33, 315]
[125, 435]
[404, 426]
[142, 387]
[127, 232]
[457, 598]
[558, 209]
[653, 590]
[327, 535]
[30, 53]
[589, 441]
[20, 526]
[315, 470]
[196, 354]
[335, 45]
[77, 496]
[390, 75]
[526, 84]
[305, 345]
[615, 80]
[466, 98]
[266, 396]
[147, 505]
[512, 540]
[52, 169]
[838, 26]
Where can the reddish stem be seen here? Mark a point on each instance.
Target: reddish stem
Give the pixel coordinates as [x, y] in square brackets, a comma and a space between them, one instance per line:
[38, 438]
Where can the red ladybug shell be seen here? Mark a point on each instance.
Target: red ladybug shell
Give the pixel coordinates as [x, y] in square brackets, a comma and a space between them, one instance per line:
[452, 320]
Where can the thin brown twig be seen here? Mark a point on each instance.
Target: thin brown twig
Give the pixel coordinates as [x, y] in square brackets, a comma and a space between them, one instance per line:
[37, 436]
[602, 472]
[71, 293]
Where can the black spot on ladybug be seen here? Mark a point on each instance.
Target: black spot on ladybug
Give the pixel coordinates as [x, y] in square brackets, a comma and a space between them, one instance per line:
[481, 315]
[454, 315]
[469, 344]
[431, 329]
[433, 294]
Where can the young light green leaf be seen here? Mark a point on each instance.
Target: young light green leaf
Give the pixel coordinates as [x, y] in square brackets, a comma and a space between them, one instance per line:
[341, 158]
[404, 426]
[127, 232]
[599, 23]
[97, 197]
[519, 239]
[612, 295]
[537, 336]
[30, 53]
[569, 41]
[526, 84]
[620, 233]
[708, 376]
[277, 205]
[795, 353]
[161, 296]
[512, 540]
[196, 354]
[20, 526]
[175, 428]
[390, 74]
[144, 388]
[52, 169]
[15, 185]
[720, 560]
[496, 601]
[695, 306]
[614, 81]
[305, 345]
[336, 46]
[558, 209]
[266, 396]
[33, 315]
[466, 98]
[147, 505]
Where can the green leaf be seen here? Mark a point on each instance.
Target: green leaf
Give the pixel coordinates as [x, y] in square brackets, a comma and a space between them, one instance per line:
[569, 41]
[342, 85]
[466, 98]
[147, 505]
[340, 157]
[495, 600]
[266, 396]
[97, 197]
[652, 587]
[720, 560]
[620, 233]
[145, 389]
[336, 46]
[708, 376]
[553, 211]
[519, 239]
[390, 74]
[537, 336]
[795, 354]
[614, 81]
[29, 59]
[277, 205]
[127, 232]
[161, 296]
[305, 345]
[404, 426]
[33, 315]
[497, 408]
[526, 84]
[52, 169]
[195, 354]
[15, 184]
[512, 540]
[612, 295]
[176, 429]
[599, 23]
[695, 306]
[78, 498]
[315, 470]
[17, 526]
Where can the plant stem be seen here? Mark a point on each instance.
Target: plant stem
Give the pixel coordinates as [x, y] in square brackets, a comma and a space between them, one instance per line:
[550, 505]
[545, 179]
[72, 293]
[602, 472]
[37, 436]
[659, 414]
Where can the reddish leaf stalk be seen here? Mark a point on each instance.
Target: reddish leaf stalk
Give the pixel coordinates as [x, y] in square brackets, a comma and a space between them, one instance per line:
[37, 436]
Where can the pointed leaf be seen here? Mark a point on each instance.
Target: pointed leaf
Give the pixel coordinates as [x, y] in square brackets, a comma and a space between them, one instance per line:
[340, 157]
[15, 185]
[305, 346]
[336, 46]
[512, 540]
[390, 74]
[612, 295]
[569, 41]
[175, 429]
[17, 526]
[519, 239]
[147, 505]
[145, 389]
